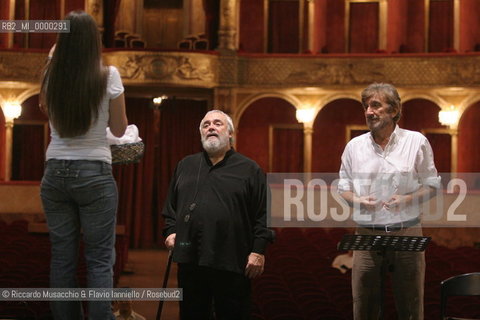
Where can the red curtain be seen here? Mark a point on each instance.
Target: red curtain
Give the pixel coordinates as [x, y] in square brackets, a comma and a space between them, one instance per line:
[71, 5]
[179, 136]
[31, 110]
[28, 152]
[469, 26]
[110, 12]
[19, 38]
[335, 33]
[419, 114]
[251, 26]
[283, 26]
[253, 128]
[329, 128]
[212, 21]
[415, 36]
[442, 147]
[468, 133]
[28, 147]
[287, 150]
[135, 181]
[364, 24]
[440, 33]
[43, 10]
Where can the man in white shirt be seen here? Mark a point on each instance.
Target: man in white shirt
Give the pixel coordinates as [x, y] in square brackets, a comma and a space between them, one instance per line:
[385, 175]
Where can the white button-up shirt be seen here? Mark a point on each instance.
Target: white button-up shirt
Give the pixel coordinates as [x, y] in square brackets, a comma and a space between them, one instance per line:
[403, 167]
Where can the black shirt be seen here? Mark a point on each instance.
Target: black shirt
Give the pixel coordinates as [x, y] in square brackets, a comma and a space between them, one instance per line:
[218, 212]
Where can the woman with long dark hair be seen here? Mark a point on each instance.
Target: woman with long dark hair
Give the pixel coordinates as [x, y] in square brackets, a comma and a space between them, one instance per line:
[81, 97]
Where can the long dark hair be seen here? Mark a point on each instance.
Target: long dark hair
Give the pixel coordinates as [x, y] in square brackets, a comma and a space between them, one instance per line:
[75, 80]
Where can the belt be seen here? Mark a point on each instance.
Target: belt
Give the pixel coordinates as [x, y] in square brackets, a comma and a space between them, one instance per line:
[391, 227]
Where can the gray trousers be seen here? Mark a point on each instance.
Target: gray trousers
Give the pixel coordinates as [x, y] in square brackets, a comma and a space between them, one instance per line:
[408, 279]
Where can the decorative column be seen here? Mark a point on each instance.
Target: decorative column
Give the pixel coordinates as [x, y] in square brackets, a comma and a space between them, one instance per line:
[454, 152]
[11, 16]
[307, 147]
[306, 116]
[456, 26]
[310, 45]
[8, 149]
[227, 33]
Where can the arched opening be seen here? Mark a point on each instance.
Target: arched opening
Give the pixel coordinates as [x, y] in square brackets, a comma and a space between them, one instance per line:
[30, 140]
[422, 115]
[337, 122]
[468, 133]
[269, 133]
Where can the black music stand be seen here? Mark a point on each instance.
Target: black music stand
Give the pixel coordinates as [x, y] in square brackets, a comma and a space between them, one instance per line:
[382, 244]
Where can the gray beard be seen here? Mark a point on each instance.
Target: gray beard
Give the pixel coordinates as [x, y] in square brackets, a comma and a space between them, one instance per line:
[213, 146]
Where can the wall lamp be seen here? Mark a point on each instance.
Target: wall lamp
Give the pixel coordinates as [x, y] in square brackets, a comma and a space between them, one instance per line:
[306, 115]
[11, 111]
[157, 101]
[448, 117]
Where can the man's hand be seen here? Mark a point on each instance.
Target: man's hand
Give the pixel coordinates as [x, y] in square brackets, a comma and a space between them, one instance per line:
[255, 265]
[368, 203]
[170, 241]
[398, 202]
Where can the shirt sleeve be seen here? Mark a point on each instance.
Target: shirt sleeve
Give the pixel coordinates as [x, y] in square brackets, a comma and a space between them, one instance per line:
[115, 86]
[262, 235]
[169, 211]
[425, 166]
[345, 182]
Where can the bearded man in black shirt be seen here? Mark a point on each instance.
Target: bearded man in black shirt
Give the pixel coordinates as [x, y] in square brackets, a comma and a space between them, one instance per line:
[215, 222]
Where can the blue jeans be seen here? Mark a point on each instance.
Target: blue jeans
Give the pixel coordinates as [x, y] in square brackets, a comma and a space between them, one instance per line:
[80, 195]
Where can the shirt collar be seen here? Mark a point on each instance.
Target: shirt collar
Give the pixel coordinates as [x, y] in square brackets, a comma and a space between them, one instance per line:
[227, 155]
[393, 137]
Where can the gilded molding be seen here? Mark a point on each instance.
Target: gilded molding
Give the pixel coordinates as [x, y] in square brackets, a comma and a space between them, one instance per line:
[199, 70]
[186, 69]
[333, 71]
[20, 66]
